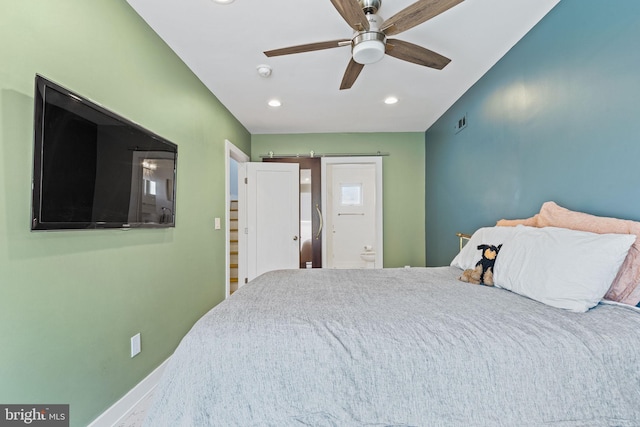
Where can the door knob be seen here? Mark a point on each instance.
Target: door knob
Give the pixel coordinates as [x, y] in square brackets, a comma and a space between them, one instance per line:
[295, 237]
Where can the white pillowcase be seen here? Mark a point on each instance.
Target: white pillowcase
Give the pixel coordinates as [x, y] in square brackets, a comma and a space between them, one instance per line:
[560, 267]
[469, 256]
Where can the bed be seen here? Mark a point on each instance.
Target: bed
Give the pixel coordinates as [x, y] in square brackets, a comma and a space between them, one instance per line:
[401, 347]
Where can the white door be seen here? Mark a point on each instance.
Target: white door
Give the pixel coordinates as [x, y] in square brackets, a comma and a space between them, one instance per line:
[272, 193]
[353, 210]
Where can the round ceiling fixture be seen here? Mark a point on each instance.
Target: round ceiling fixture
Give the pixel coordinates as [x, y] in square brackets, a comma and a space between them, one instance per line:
[390, 100]
[264, 70]
[223, 1]
[274, 103]
[368, 47]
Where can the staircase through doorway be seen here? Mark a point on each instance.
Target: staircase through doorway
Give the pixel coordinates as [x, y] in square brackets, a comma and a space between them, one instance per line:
[233, 247]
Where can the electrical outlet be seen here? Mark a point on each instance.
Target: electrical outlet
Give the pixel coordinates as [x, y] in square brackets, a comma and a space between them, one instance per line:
[135, 345]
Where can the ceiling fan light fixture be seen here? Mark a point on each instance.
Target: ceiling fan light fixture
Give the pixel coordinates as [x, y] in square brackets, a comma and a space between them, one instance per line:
[369, 40]
[368, 47]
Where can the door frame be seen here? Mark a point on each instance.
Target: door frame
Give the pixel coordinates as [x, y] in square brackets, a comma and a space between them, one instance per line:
[233, 152]
[375, 160]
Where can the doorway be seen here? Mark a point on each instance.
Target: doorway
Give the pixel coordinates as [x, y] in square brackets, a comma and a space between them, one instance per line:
[352, 195]
[235, 240]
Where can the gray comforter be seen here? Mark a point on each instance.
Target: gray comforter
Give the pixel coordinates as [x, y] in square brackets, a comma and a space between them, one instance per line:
[398, 347]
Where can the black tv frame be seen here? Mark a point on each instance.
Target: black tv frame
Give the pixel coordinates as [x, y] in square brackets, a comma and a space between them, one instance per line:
[161, 145]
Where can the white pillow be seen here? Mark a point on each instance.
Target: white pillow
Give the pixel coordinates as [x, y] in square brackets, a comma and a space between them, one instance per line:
[560, 267]
[469, 256]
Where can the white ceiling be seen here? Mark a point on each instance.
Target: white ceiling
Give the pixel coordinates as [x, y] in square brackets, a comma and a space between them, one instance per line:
[224, 44]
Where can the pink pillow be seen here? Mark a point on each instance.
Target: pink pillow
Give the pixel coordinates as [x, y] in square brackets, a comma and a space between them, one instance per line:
[625, 287]
[530, 222]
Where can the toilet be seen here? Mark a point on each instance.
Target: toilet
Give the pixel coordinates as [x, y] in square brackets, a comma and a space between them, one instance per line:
[369, 257]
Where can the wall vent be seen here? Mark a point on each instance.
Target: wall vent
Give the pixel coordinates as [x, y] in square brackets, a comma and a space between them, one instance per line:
[461, 123]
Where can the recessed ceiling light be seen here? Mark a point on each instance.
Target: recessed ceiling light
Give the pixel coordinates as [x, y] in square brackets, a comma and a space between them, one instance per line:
[223, 1]
[274, 103]
[391, 100]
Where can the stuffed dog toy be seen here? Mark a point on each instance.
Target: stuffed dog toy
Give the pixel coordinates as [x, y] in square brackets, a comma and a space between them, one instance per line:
[483, 273]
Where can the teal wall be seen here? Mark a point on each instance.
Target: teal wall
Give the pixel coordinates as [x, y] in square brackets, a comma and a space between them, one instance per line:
[403, 175]
[70, 301]
[555, 119]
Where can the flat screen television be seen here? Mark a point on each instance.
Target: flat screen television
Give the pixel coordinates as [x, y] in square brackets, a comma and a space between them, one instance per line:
[93, 169]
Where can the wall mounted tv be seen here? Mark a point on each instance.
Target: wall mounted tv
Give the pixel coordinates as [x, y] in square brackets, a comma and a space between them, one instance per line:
[93, 169]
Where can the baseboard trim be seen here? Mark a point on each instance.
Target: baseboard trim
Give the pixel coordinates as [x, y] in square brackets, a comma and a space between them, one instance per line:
[120, 410]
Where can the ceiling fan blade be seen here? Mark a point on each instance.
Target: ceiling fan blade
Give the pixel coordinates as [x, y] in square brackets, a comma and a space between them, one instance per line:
[416, 14]
[350, 76]
[416, 54]
[352, 12]
[310, 47]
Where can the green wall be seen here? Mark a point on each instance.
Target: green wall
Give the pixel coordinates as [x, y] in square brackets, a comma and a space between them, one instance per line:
[70, 301]
[555, 119]
[403, 175]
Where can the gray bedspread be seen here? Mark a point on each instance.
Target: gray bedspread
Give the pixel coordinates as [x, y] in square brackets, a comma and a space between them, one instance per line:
[399, 347]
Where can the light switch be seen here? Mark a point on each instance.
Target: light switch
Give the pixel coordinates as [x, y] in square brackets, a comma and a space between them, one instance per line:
[135, 345]
[217, 223]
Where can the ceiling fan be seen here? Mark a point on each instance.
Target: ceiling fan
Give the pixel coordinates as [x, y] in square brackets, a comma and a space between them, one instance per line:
[369, 43]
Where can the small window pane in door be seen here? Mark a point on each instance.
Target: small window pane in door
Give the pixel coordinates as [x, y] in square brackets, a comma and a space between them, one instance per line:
[351, 194]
